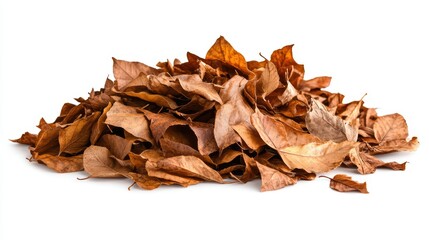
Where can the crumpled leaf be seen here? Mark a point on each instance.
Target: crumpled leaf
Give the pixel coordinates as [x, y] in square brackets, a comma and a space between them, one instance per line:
[344, 183]
[27, 138]
[390, 127]
[60, 164]
[223, 51]
[286, 66]
[189, 166]
[316, 157]
[75, 137]
[273, 179]
[366, 163]
[327, 126]
[97, 162]
[127, 118]
[235, 110]
[125, 72]
[278, 135]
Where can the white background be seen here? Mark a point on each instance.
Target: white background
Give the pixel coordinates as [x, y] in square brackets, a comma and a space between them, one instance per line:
[53, 51]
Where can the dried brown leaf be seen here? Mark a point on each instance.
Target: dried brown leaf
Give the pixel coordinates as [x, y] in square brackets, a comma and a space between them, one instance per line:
[273, 179]
[316, 157]
[127, 118]
[344, 183]
[390, 127]
[327, 126]
[222, 50]
[98, 163]
[75, 137]
[125, 72]
[189, 166]
[60, 164]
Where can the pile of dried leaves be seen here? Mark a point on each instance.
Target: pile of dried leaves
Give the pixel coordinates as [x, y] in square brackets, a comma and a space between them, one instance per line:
[221, 119]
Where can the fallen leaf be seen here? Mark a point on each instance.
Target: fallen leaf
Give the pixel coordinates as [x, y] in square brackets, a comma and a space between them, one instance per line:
[223, 51]
[127, 118]
[75, 137]
[316, 157]
[61, 164]
[327, 126]
[189, 166]
[390, 127]
[125, 72]
[98, 163]
[273, 179]
[27, 138]
[344, 183]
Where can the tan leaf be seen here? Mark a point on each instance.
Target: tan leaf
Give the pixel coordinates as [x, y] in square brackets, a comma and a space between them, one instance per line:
[317, 82]
[75, 137]
[98, 163]
[144, 181]
[278, 135]
[327, 126]
[171, 148]
[61, 164]
[361, 162]
[118, 146]
[205, 137]
[249, 135]
[189, 166]
[235, 110]
[160, 100]
[194, 84]
[125, 72]
[390, 127]
[344, 183]
[316, 157]
[154, 171]
[127, 118]
[223, 51]
[396, 145]
[273, 179]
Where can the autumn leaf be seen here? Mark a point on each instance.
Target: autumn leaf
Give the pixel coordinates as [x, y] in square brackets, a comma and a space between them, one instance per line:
[316, 157]
[189, 166]
[98, 163]
[194, 84]
[75, 138]
[344, 183]
[60, 164]
[27, 138]
[127, 118]
[390, 127]
[327, 126]
[118, 146]
[235, 110]
[286, 66]
[125, 72]
[223, 51]
[273, 179]
[278, 135]
[157, 99]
